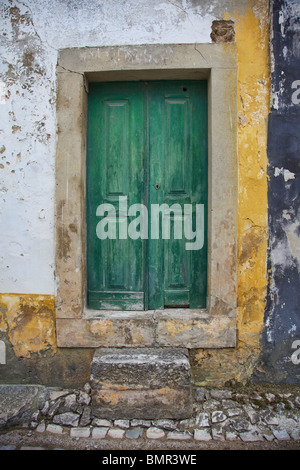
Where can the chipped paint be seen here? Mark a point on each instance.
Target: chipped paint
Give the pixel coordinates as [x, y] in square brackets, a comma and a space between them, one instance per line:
[29, 322]
[282, 325]
[252, 39]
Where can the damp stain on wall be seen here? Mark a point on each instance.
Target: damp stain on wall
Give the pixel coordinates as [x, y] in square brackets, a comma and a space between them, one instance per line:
[29, 322]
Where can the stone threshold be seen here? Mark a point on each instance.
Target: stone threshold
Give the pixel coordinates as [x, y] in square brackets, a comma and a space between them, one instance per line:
[154, 328]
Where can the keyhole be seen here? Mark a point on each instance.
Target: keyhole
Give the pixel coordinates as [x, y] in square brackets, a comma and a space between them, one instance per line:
[157, 185]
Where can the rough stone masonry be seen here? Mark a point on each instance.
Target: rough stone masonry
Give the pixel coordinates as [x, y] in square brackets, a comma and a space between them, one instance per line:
[268, 415]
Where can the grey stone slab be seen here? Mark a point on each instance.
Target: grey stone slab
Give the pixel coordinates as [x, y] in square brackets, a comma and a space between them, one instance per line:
[80, 432]
[115, 433]
[217, 432]
[210, 405]
[280, 433]
[229, 404]
[41, 427]
[265, 431]
[270, 397]
[100, 433]
[251, 436]
[145, 367]
[269, 417]
[55, 407]
[134, 433]
[122, 423]
[140, 422]
[240, 424]
[202, 435]
[86, 416]
[19, 402]
[231, 436]
[168, 424]
[201, 394]
[203, 420]
[186, 424]
[54, 428]
[70, 403]
[66, 419]
[55, 394]
[155, 433]
[221, 394]
[252, 414]
[234, 412]
[295, 434]
[218, 416]
[180, 436]
[102, 422]
[84, 398]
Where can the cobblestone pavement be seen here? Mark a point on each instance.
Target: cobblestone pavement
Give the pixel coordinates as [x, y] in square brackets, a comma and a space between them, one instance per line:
[224, 418]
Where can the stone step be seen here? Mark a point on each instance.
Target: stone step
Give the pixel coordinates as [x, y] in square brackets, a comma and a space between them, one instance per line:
[141, 383]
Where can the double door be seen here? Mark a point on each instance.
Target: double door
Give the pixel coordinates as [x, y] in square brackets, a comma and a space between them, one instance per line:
[147, 195]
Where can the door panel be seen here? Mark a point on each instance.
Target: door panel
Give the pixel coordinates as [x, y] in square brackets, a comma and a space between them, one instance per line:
[115, 168]
[178, 165]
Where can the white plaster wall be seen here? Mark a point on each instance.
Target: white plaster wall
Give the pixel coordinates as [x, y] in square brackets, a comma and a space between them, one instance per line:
[31, 33]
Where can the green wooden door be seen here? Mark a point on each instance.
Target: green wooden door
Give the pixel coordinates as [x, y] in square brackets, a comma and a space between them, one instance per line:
[115, 168]
[147, 144]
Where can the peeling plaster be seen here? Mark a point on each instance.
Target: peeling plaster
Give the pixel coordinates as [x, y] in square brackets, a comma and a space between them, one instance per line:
[283, 297]
[32, 33]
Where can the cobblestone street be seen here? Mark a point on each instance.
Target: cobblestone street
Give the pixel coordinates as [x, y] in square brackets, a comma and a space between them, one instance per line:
[254, 417]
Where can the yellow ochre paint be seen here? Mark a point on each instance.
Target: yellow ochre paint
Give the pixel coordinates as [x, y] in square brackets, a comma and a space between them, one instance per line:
[252, 38]
[215, 367]
[29, 321]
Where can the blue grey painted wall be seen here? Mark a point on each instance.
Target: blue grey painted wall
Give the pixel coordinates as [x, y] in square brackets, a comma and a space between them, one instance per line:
[282, 316]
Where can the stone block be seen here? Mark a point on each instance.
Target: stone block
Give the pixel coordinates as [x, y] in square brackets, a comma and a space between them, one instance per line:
[155, 433]
[80, 432]
[141, 383]
[116, 433]
[202, 435]
[54, 428]
[99, 433]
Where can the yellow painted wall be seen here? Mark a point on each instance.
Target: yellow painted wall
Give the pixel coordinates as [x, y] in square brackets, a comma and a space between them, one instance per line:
[252, 39]
[29, 322]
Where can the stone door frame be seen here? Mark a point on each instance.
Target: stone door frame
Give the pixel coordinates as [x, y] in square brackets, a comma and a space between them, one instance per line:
[213, 327]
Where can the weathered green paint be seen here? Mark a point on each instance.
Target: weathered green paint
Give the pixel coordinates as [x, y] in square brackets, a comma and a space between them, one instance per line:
[146, 141]
[115, 167]
[178, 162]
